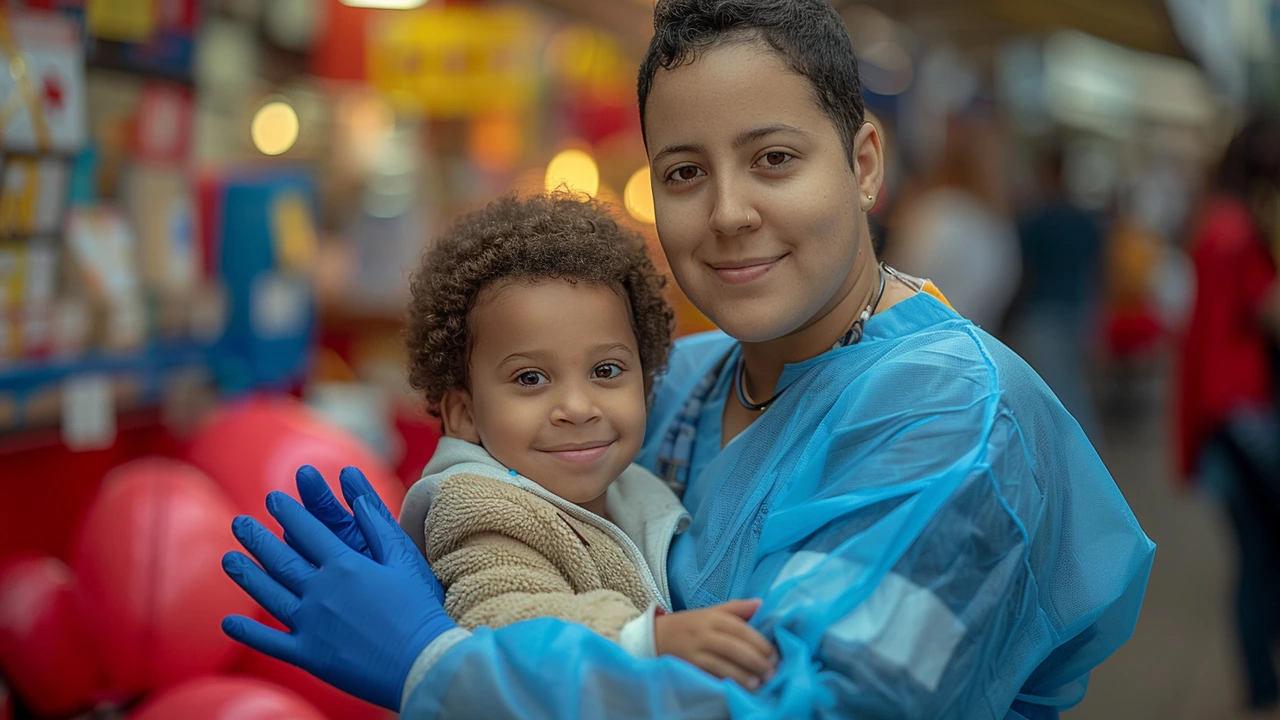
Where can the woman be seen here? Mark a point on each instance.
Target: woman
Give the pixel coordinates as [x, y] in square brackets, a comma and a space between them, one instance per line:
[1227, 420]
[930, 532]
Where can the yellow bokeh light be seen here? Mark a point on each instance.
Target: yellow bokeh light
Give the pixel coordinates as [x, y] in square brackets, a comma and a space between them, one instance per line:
[638, 196]
[575, 169]
[275, 128]
[385, 4]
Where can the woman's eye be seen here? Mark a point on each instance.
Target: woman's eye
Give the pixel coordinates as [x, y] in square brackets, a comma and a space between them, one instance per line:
[685, 173]
[608, 371]
[775, 158]
[532, 378]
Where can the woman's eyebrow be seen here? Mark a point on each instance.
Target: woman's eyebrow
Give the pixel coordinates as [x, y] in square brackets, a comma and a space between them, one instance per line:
[673, 149]
[744, 138]
[749, 136]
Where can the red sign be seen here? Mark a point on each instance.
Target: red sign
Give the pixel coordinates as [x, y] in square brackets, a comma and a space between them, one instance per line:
[162, 133]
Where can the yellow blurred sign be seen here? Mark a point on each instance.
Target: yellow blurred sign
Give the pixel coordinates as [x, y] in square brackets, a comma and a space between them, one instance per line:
[18, 196]
[294, 232]
[13, 272]
[456, 62]
[125, 20]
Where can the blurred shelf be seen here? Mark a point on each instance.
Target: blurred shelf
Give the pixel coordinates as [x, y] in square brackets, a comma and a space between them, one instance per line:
[31, 375]
[148, 368]
[44, 437]
[117, 65]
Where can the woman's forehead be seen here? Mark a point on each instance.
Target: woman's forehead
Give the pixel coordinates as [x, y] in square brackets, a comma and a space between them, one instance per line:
[726, 92]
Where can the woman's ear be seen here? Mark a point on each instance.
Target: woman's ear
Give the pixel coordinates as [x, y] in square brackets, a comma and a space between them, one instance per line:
[868, 163]
[456, 418]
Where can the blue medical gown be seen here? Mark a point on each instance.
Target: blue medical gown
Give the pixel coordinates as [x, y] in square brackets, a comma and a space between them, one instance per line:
[932, 534]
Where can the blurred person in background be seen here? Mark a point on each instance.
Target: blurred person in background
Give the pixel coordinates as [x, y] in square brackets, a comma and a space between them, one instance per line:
[1051, 326]
[1228, 430]
[1141, 310]
[957, 234]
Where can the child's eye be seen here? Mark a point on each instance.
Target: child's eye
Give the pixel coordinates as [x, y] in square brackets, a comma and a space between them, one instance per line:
[607, 371]
[530, 378]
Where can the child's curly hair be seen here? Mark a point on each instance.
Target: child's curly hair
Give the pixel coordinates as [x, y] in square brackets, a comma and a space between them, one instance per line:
[554, 236]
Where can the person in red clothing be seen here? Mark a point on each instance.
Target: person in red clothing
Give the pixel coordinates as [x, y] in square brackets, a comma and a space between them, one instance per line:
[1229, 434]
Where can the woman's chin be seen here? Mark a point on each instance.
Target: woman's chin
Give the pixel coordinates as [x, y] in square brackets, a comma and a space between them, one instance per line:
[750, 327]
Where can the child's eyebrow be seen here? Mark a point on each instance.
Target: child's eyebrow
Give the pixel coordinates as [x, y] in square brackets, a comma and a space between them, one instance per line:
[534, 356]
[513, 357]
[613, 348]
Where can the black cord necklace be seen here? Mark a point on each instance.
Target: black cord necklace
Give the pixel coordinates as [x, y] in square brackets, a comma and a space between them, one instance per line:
[851, 337]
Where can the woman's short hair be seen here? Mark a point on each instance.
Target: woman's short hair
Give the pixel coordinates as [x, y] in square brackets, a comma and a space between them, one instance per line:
[808, 35]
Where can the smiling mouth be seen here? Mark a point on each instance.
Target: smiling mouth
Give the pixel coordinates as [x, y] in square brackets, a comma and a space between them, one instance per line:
[744, 271]
[579, 452]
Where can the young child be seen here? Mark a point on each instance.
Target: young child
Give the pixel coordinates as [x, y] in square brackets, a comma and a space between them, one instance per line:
[535, 330]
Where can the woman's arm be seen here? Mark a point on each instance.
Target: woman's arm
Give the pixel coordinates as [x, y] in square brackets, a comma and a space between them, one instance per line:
[938, 597]
[960, 584]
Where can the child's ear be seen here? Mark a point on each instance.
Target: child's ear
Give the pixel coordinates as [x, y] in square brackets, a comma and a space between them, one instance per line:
[455, 416]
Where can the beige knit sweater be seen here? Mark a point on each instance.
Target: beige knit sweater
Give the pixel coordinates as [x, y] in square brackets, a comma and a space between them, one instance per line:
[505, 555]
[506, 550]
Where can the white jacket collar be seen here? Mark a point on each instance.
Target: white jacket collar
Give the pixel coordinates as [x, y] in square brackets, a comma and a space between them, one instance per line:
[639, 504]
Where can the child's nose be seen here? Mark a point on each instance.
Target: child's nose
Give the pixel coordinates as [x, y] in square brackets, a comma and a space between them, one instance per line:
[576, 406]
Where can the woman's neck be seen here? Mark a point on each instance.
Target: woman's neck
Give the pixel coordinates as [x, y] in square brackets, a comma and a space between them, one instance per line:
[764, 361]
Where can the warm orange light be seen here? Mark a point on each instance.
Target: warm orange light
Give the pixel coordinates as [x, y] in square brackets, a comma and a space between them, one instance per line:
[573, 169]
[638, 196]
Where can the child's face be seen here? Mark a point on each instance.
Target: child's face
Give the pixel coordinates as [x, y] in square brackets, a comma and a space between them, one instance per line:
[557, 391]
[757, 205]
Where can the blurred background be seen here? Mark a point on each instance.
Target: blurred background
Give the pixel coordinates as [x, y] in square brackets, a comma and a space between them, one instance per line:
[209, 210]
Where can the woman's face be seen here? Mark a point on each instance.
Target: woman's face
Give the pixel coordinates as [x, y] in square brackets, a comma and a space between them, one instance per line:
[758, 210]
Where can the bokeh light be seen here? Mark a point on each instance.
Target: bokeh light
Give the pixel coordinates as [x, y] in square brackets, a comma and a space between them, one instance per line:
[385, 4]
[496, 142]
[574, 169]
[275, 128]
[638, 196]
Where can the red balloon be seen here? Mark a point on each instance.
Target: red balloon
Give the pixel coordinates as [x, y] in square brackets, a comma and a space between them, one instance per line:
[152, 591]
[331, 701]
[257, 445]
[6, 703]
[226, 697]
[43, 648]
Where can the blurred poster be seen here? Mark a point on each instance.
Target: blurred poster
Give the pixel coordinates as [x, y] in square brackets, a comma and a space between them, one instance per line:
[125, 20]
[33, 195]
[455, 62]
[166, 49]
[43, 107]
[159, 204]
[162, 133]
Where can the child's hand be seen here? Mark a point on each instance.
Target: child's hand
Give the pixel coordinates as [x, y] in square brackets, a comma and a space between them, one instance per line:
[718, 640]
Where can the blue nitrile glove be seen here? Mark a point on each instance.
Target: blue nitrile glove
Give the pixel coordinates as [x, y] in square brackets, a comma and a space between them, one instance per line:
[320, 502]
[357, 622]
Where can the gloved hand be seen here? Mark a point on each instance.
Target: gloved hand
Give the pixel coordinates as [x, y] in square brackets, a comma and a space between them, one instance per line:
[320, 502]
[357, 622]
